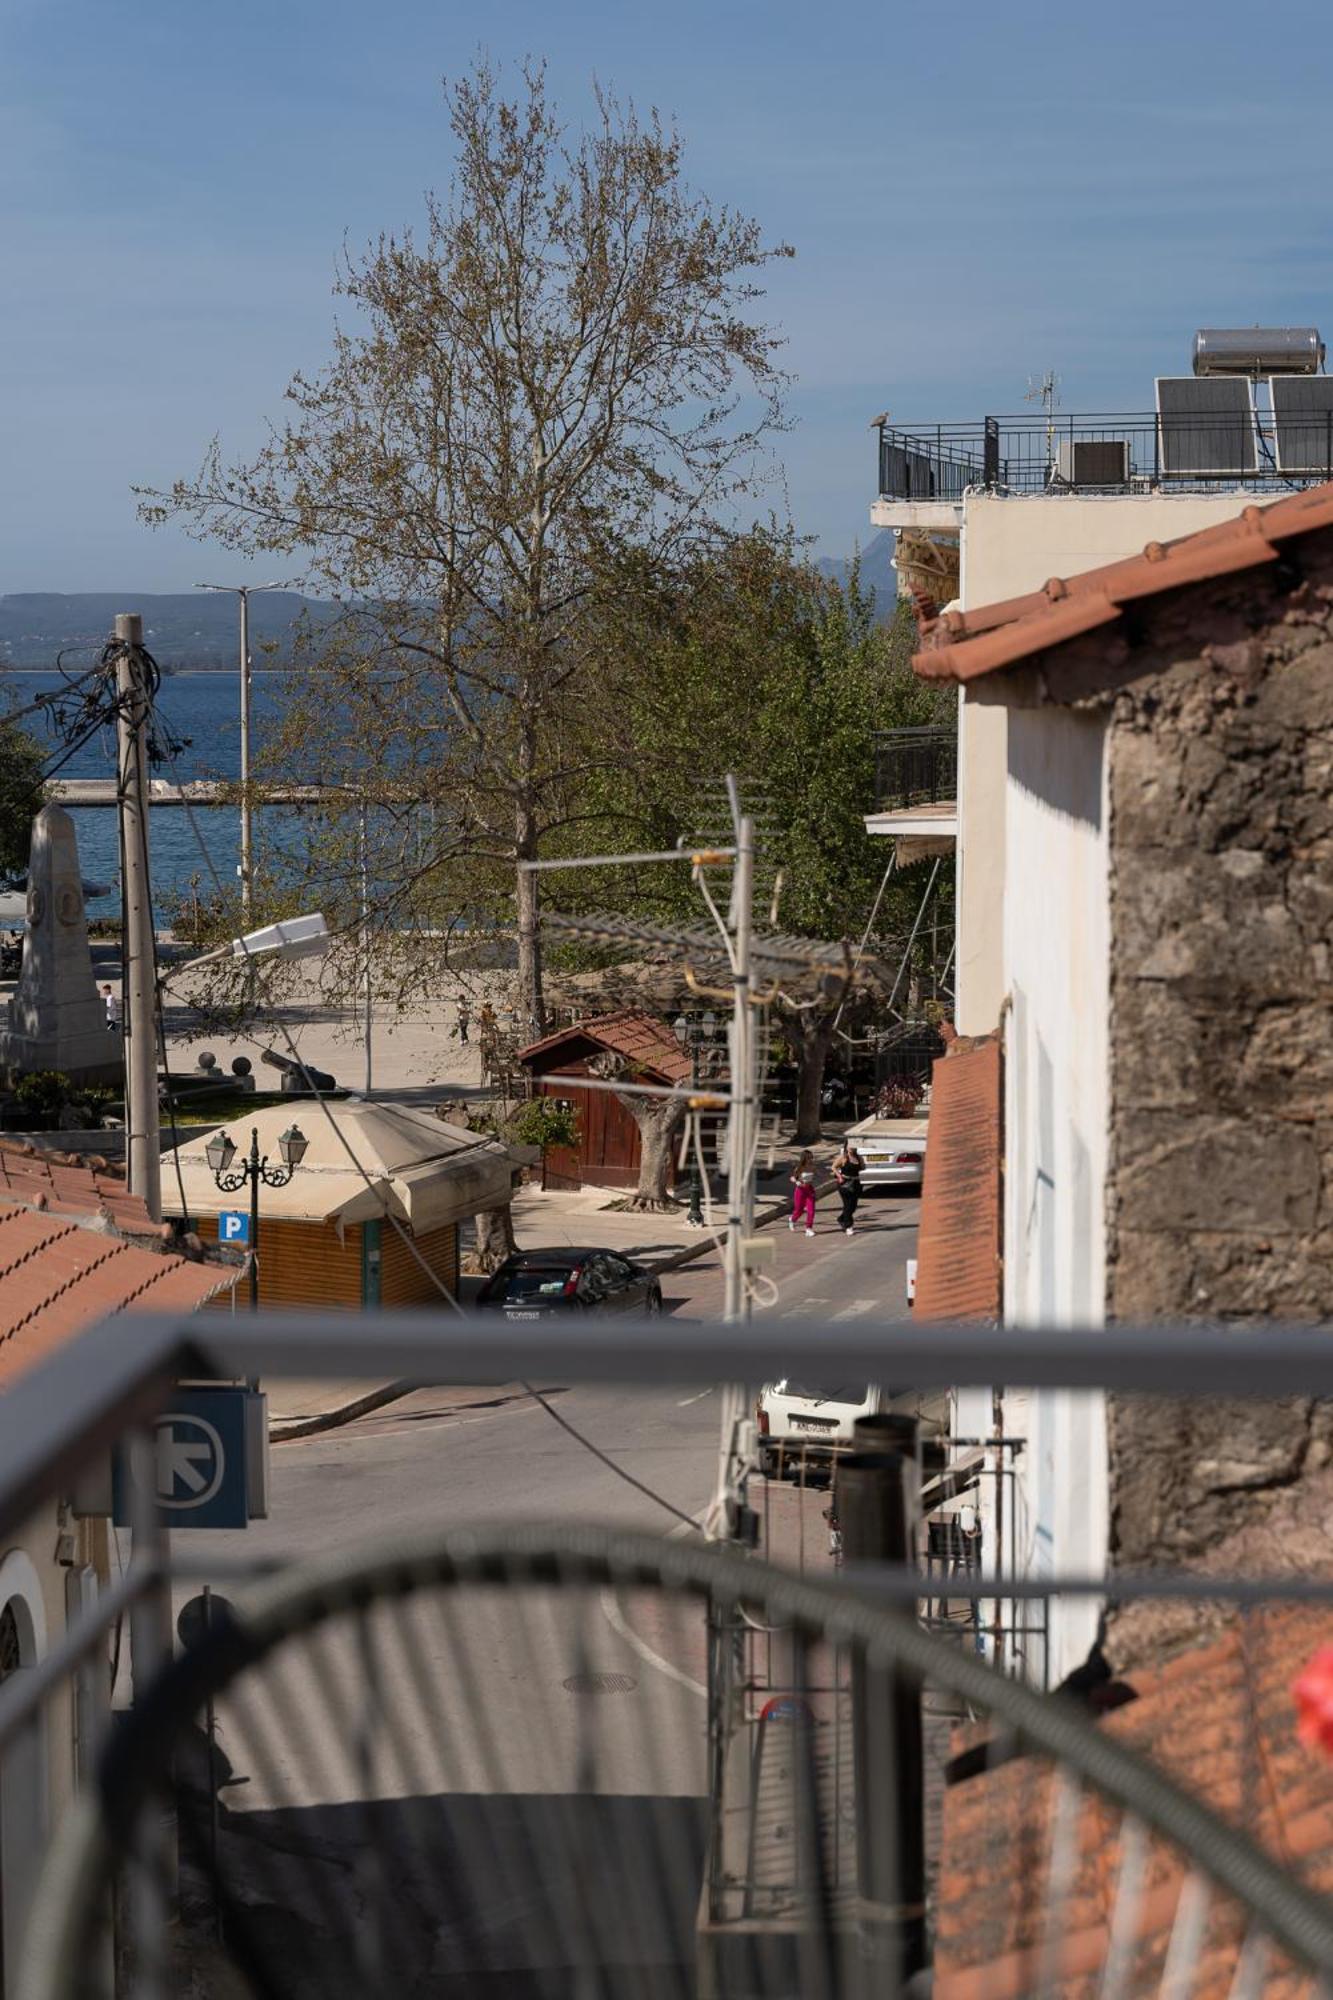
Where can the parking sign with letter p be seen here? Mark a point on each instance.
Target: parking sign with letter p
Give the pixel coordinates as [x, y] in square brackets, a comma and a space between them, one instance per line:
[233, 1226]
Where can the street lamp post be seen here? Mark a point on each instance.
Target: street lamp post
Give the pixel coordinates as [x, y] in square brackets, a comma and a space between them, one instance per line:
[221, 1151]
[242, 591]
[695, 1035]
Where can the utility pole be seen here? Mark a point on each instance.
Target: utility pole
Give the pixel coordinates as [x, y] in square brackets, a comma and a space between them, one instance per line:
[143, 1147]
[365, 936]
[247, 828]
[241, 591]
[878, 1488]
[740, 1179]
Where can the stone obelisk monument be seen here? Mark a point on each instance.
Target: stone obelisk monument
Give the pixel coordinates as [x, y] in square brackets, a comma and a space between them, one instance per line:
[57, 1019]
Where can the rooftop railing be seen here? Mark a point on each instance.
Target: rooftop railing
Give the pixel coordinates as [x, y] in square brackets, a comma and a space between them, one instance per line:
[1066, 452]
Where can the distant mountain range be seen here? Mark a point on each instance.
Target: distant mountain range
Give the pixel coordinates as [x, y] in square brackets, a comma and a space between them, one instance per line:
[199, 628]
[188, 629]
[877, 572]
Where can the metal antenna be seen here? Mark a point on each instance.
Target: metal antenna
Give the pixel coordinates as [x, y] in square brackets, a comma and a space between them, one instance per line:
[1047, 393]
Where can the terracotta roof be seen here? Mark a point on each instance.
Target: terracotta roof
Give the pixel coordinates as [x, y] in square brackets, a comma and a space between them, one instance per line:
[1220, 1720]
[72, 1185]
[68, 1255]
[958, 1272]
[642, 1039]
[964, 645]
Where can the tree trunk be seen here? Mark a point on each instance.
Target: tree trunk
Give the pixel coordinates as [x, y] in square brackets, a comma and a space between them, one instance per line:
[495, 1237]
[531, 998]
[811, 1056]
[658, 1120]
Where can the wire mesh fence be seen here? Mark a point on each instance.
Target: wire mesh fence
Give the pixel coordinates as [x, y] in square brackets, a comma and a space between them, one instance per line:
[512, 1761]
[529, 1761]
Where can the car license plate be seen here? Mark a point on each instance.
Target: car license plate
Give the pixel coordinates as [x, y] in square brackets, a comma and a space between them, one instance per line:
[814, 1423]
[523, 1315]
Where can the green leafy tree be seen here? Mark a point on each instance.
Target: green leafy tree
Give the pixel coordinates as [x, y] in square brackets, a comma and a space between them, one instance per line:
[22, 762]
[566, 367]
[753, 663]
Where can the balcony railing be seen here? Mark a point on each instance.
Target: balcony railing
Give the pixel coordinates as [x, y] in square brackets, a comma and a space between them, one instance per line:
[915, 767]
[424, 1718]
[1104, 452]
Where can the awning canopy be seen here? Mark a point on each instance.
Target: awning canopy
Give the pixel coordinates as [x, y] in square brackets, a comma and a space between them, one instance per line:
[363, 1160]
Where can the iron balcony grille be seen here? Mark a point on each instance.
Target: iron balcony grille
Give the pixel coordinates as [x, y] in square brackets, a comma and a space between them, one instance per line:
[1108, 453]
[915, 767]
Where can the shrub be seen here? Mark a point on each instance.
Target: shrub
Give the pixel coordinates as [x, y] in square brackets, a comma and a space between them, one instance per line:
[41, 1095]
[898, 1098]
[543, 1121]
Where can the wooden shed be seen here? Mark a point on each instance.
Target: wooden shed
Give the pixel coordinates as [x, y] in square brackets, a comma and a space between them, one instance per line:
[326, 1238]
[607, 1154]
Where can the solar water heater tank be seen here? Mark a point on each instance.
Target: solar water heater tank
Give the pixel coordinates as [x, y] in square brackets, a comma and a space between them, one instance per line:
[1258, 350]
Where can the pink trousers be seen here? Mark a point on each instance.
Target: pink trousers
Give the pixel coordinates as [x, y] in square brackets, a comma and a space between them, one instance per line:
[803, 1204]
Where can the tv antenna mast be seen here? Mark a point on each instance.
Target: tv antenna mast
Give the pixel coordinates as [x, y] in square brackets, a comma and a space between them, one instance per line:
[1047, 393]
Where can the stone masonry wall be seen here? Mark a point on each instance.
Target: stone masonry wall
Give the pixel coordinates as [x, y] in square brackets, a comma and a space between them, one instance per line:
[1220, 1198]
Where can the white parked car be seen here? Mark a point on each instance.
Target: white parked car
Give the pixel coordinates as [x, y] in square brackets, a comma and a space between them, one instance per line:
[808, 1423]
[894, 1151]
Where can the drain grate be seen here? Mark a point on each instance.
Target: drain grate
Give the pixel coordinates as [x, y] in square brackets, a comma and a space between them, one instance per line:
[599, 1684]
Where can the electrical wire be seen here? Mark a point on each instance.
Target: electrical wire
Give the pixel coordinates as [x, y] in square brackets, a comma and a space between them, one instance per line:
[44, 702]
[405, 1236]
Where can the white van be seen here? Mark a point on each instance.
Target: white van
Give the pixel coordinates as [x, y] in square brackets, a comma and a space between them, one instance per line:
[807, 1424]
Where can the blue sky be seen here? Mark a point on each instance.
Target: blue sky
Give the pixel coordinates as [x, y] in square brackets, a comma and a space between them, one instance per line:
[975, 193]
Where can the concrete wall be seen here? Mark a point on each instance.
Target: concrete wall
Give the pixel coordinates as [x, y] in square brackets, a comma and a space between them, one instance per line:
[1056, 967]
[979, 892]
[1012, 545]
[1220, 1186]
[37, 1765]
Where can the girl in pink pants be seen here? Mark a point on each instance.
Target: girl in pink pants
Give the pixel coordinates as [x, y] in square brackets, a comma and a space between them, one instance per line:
[803, 1195]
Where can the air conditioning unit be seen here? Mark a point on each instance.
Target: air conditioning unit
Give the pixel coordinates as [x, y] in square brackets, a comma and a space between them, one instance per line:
[1092, 462]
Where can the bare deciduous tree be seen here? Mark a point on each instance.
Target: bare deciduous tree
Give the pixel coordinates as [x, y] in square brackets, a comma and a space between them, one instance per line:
[564, 370]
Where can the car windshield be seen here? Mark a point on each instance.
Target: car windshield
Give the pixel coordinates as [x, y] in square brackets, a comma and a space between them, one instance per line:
[856, 1393]
[531, 1281]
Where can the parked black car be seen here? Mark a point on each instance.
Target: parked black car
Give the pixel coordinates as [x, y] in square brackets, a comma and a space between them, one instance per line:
[533, 1283]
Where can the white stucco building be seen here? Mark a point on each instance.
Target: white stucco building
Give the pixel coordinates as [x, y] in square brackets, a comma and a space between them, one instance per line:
[1033, 962]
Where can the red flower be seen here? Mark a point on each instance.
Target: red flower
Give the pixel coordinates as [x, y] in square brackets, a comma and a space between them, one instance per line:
[1313, 1691]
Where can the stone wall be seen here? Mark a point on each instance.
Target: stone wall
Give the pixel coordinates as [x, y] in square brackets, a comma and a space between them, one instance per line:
[1220, 1193]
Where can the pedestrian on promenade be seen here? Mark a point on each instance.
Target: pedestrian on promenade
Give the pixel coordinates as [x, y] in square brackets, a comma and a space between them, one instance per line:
[803, 1194]
[111, 1002]
[464, 1016]
[847, 1169]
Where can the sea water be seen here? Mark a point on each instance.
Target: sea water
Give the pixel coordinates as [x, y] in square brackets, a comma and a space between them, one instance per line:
[189, 850]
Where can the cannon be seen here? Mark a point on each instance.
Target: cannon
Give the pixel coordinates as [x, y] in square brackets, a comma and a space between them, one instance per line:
[298, 1079]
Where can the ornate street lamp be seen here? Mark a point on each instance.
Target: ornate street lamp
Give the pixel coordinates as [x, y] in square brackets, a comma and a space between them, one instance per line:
[221, 1151]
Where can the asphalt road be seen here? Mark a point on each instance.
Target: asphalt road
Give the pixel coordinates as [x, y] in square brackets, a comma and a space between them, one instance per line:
[463, 1736]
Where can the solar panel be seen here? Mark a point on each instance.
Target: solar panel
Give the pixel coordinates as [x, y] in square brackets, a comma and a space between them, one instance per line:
[1303, 423]
[1206, 427]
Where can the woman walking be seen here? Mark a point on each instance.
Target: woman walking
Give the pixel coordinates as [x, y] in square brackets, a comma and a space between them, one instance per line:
[803, 1194]
[847, 1171]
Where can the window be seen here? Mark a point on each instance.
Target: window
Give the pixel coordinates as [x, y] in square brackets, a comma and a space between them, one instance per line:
[11, 1647]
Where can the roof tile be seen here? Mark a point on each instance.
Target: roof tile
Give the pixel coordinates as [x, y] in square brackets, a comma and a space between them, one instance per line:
[964, 645]
[60, 1273]
[1221, 1721]
[641, 1038]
